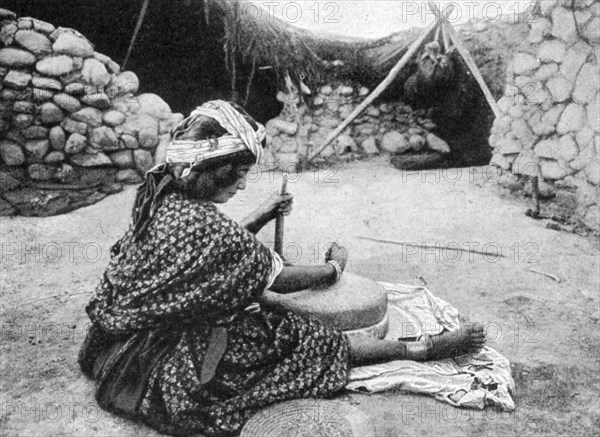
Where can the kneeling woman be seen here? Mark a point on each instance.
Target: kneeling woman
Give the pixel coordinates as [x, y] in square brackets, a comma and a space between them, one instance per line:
[177, 338]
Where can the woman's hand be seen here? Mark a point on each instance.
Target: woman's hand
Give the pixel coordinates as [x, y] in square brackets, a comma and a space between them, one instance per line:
[338, 254]
[276, 204]
[269, 210]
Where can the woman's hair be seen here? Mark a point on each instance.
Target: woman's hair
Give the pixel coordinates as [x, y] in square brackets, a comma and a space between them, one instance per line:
[203, 180]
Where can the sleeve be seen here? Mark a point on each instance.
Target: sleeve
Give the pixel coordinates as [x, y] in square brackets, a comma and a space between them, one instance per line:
[276, 268]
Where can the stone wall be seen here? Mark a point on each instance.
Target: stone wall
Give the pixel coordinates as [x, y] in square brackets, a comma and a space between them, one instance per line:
[550, 123]
[385, 127]
[67, 110]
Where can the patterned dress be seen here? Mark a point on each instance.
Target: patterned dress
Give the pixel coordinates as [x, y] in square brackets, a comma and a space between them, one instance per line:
[172, 343]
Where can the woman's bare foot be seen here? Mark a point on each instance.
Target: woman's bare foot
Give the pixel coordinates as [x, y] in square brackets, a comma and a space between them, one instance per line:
[467, 339]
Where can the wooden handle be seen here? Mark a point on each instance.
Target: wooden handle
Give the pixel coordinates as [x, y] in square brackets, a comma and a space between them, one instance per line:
[279, 219]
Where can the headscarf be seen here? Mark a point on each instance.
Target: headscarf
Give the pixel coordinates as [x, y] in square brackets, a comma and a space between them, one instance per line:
[241, 136]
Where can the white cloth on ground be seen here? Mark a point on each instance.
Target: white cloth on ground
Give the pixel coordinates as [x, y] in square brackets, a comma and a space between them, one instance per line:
[472, 381]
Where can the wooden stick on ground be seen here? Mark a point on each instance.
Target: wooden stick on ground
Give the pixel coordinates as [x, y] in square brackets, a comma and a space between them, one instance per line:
[279, 219]
[377, 91]
[429, 246]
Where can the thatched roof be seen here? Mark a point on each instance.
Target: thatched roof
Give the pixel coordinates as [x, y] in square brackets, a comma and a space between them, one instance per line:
[269, 41]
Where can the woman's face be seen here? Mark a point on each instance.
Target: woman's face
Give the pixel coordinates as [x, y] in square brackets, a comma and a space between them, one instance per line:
[223, 194]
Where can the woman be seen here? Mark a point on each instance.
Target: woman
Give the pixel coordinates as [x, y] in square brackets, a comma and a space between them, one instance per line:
[178, 338]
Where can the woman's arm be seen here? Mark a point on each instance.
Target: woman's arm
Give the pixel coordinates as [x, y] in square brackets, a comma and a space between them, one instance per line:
[296, 278]
[268, 211]
[255, 222]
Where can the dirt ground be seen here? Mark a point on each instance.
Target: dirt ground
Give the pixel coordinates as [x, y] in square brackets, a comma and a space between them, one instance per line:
[540, 301]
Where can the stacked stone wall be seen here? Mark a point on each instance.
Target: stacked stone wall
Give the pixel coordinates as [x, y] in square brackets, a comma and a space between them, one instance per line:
[387, 127]
[67, 110]
[550, 122]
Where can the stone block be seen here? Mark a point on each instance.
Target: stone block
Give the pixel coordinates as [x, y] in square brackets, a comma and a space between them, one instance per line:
[552, 51]
[22, 121]
[509, 146]
[114, 118]
[128, 142]
[24, 107]
[57, 138]
[54, 157]
[546, 71]
[14, 58]
[46, 83]
[41, 95]
[584, 136]
[554, 170]
[552, 116]
[128, 176]
[104, 138]
[35, 133]
[572, 119]
[43, 27]
[539, 29]
[122, 84]
[91, 159]
[17, 79]
[37, 148]
[143, 160]
[95, 73]
[564, 26]
[524, 63]
[591, 31]
[437, 144]
[51, 113]
[123, 159]
[67, 102]
[55, 65]
[70, 125]
[395, 142]
[34, 42]
[369, 146]
[73, 45]
[587, 84]
[75, 144]
[11, 153]
[574, 59]
[88, 115]
[560, 88]
[97, 100]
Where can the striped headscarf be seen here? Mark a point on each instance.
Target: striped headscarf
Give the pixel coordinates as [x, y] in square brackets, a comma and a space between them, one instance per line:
[241, 136]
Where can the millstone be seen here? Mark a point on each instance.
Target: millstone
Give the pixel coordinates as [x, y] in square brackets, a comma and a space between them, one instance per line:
[353, 303]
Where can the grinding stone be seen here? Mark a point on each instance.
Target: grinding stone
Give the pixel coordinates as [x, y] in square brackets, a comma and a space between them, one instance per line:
[352, 303]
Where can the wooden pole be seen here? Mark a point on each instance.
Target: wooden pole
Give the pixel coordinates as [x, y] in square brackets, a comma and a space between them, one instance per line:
[138, 26]
[279, 219]
[376, 92]
[464, 52]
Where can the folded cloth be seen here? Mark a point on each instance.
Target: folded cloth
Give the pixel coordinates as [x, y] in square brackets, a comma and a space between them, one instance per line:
[471, 381]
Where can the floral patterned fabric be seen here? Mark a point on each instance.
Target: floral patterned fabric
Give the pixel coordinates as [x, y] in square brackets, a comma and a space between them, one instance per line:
[153, 313]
